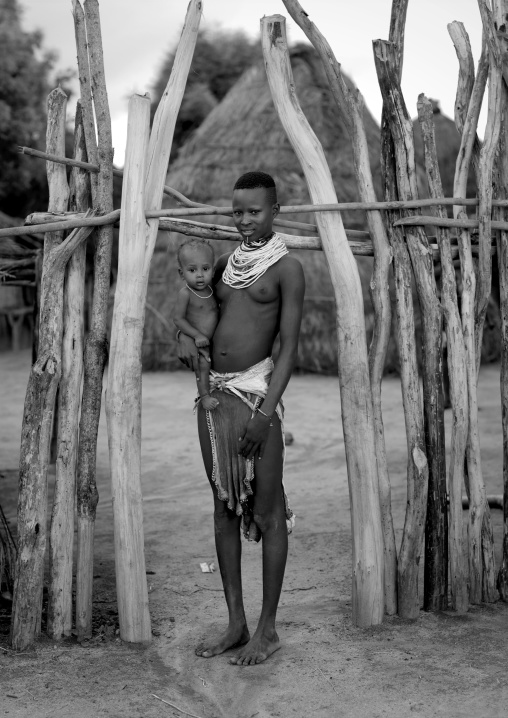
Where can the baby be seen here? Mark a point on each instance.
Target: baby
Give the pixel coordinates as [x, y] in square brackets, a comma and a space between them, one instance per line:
[196, 311]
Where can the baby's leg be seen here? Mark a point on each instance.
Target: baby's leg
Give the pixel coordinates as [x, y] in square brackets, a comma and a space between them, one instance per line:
[203, 381]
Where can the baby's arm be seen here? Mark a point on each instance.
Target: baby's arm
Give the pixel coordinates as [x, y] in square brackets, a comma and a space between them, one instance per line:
[179, 318]
[203, 382]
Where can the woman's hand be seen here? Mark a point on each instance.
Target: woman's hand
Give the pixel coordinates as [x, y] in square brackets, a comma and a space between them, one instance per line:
[188, 352]
[255, 436]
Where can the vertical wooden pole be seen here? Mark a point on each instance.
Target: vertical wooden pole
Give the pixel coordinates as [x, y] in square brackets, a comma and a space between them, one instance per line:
[465, 83]
[123, 401]
[484, 277]
[164, 121]
[124, 385]
[481, 559]
[350, 105]
[356, 398]
[456, 369]
[38, 411]
[37, 303]
[85, 87]
[422, 261]
[92, 76]
[501, 14]
[62, 520]
[487, 153]
[502, 258]
[417, 466]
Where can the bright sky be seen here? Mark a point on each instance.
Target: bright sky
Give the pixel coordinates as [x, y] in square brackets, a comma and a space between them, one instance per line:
[137, 36]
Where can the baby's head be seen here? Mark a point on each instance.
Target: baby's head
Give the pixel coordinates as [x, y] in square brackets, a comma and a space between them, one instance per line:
[195, 263]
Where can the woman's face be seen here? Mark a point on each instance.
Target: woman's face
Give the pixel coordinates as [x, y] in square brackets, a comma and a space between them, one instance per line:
[253, 213]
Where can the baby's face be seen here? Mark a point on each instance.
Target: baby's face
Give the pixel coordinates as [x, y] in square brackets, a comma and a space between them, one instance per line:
[196, 267]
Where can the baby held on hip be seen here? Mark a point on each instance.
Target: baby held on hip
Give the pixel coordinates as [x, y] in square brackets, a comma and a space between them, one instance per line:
[196, 310]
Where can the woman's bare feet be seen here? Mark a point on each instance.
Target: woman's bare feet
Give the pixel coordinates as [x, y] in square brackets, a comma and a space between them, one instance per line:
[233, 637]
[257, 650]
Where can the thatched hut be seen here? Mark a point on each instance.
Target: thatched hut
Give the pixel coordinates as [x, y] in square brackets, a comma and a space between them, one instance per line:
[243, 133]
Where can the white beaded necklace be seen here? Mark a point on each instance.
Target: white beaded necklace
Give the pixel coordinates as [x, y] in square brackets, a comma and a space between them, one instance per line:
[199, 295]
[247, 264]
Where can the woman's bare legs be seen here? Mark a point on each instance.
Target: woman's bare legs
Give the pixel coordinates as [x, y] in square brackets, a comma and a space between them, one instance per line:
[229, 553]
[269, 514]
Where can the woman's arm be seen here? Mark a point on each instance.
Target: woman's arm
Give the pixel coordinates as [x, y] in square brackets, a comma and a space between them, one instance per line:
[292, 289]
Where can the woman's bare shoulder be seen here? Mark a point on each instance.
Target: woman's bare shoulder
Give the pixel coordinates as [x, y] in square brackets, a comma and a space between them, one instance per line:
[290, 265]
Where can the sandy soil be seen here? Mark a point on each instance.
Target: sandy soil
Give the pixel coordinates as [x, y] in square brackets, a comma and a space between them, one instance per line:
[438, 665]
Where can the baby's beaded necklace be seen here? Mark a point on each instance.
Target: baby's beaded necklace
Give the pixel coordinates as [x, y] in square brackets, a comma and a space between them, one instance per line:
[199, 295]
[248, 263]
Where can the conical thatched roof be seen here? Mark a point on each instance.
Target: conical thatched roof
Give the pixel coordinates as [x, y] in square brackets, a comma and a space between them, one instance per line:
[244, 133]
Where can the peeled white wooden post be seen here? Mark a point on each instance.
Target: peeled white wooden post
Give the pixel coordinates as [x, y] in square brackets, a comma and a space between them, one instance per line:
[351, 107]
[62, 519]
[124, 386]
[143, 183]
[354, 382]
[163, 127]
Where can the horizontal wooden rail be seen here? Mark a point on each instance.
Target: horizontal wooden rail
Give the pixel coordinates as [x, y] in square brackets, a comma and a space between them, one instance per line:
[359, 240]
[422, 221]
[169, 191]
[171, 221]
[47, 222]
[59, 160]
[203, 209]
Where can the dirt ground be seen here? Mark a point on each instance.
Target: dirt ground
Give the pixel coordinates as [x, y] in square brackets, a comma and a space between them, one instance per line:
[438, 665]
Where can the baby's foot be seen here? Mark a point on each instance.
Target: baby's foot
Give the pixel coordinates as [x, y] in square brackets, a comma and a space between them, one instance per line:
[209, 403]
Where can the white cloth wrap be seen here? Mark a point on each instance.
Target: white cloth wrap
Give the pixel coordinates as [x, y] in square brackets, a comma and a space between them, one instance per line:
[253, 380]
